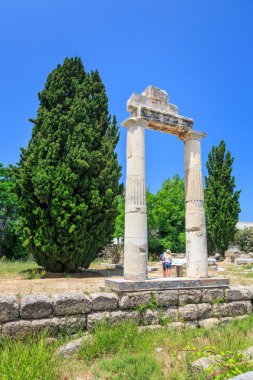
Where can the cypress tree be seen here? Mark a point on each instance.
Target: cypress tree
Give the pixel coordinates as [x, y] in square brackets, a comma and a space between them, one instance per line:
[221, 200]
[67, 178]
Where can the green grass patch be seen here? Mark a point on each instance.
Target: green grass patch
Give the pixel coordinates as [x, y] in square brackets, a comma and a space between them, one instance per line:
[122, 352]
[14, 269]
[27, 359]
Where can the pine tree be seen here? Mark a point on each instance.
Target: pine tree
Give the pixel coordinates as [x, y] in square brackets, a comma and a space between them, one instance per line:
[221, 201]
[67, 178]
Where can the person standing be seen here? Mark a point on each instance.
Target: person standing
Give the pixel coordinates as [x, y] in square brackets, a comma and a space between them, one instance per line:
[167, 263]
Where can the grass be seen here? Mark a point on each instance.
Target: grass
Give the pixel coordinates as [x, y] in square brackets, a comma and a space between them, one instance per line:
[29, 359]
[16, 269]
[121, 352]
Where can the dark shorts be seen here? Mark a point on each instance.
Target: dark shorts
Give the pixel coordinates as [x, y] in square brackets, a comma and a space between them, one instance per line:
[167, 265]
[164, 266]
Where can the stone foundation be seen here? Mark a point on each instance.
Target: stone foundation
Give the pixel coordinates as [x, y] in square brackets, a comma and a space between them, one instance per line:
[74, 311]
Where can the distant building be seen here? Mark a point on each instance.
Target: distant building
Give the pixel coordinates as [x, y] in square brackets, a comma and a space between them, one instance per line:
[243, 225]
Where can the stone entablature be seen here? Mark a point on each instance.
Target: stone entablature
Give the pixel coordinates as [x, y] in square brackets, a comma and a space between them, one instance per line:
[153, 106]
[72, 311]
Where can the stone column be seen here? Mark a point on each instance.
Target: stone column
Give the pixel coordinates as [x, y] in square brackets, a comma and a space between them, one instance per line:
[195, 223]
[135, 245]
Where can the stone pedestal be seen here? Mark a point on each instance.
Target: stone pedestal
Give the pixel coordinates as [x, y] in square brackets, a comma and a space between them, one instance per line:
[195, 223]
[135, 245]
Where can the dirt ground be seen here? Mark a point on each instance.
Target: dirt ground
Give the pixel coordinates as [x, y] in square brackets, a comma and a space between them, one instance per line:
[91, 280]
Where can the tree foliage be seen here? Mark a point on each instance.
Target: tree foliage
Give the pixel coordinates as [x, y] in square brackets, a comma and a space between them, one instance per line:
[165, 217]
[221, 199]
[67, 179]
[169, 215]
[10, 233]
[244, 239]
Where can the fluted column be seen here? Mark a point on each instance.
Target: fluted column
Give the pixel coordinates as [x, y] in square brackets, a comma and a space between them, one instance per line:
[135, 245]
[195, 223]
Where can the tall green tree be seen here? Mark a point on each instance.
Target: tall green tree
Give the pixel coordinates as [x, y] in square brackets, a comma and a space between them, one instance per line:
[67, 179]
[221, 200]
[168, 216]
[10, 233]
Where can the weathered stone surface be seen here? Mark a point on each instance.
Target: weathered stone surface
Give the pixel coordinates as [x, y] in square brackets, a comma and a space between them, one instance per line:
[17, 328]
[104, 301]
[171, 313]
[175, 325]
[99, 317]
[154, 285]
[150, 327]
[9, 308]
[189, 296]
[72, 324]
[209, 323]
[239, 307]
[243, 376]
[221, 310]
[73, 346]
[166, 298]
[226, 320]
[201, 364]
[204, 310]
[112, 318]
[36, 306]
[235, 294]
[71, 303]
[50, 325]
[132, 300]
[119, 316]
[188, 312]
[191, 324]
[151, 317]
[211, 295]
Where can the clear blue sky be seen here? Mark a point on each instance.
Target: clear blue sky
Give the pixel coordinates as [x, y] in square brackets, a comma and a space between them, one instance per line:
[199, 51]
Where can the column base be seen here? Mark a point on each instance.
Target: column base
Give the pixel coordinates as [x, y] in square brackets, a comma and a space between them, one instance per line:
[136, 277]
[119, 285]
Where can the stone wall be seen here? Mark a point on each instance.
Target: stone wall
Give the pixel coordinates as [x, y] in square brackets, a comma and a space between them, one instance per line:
[73, 311]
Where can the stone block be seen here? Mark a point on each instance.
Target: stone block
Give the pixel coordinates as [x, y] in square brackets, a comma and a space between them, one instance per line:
[188, 312]
[104, 301]
[166, 298]
[238, 308]
[175, 325]
[226, 320]
[133, 300]
[73, 347]
[36, 307]
[221, 310]
[71, 324]
[151, 317]
[235, 294]
[9, 308]
[113, 317]
[97, 318]
[17, 329]
[209, 323]
[191, 324]
[189, 296]
[149, 327]
[51, 326]
[204, 310]
[71, 304]
[211, 295]
[170, 313]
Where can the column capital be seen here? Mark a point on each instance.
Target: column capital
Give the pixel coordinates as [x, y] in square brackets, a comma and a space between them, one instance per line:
[192, 135]
[134, 122]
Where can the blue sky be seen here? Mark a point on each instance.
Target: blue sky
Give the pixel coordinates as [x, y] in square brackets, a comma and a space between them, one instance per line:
[199, 51]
